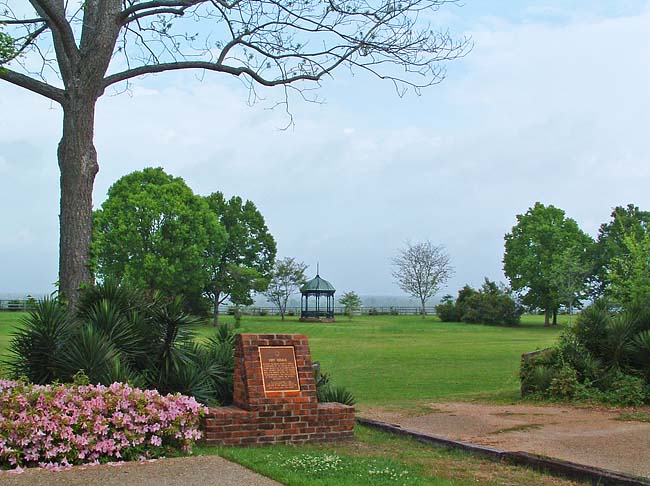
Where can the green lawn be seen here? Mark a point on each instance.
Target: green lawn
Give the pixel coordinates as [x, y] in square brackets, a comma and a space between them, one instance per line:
[403, 361]
[379, 458]
[395, 361]
[8, 321]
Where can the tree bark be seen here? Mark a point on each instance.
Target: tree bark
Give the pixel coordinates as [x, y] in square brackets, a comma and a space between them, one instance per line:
[423, 312]
[78, 165]
[546, 317]
[215, 312]
[555, 317]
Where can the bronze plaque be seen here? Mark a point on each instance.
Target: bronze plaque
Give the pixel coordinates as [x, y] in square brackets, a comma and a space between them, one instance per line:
[279, 371]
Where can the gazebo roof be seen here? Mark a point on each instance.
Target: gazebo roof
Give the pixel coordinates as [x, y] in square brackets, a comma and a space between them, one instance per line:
[317, 285]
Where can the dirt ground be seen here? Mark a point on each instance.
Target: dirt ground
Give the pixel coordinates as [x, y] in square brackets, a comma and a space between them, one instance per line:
[586, 436]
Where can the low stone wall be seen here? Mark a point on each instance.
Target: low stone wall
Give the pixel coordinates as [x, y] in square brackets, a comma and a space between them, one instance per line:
[288, 424]
[275, 402]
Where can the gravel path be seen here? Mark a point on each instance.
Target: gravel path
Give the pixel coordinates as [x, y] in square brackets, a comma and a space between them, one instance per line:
[586, 436]
[182, 471]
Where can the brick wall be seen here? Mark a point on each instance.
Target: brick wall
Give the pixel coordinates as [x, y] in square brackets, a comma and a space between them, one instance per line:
[259, 417]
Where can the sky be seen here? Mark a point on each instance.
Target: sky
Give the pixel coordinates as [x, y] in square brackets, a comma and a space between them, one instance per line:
[551, 105]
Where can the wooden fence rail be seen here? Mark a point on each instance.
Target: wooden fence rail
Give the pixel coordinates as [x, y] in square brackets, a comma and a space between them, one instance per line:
[25, 305]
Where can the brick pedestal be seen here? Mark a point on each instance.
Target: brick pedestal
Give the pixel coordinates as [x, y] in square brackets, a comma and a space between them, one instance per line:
[260, 416]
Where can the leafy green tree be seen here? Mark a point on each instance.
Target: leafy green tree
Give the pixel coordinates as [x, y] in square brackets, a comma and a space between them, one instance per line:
[629, 274]
[152, 232]
[613, 243]
[7, 50]
[351, 303]
[534, 251]
[287, 277]
[570, 274]
[245, 262]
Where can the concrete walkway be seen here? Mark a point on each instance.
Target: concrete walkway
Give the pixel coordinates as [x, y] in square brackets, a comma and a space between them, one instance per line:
[181, 471]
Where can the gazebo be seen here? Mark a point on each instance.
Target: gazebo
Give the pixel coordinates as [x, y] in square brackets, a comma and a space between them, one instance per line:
[317, 300]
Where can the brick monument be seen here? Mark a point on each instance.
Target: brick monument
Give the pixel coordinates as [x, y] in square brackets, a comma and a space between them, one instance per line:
[275, 397]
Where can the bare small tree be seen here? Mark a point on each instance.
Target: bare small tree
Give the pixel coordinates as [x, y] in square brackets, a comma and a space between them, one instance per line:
[421, 269]
[72, 52]
[287, 277]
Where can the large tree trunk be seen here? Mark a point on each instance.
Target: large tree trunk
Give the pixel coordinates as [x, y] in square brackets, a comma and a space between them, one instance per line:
[547, 313]
[78, 164]
[555, 317]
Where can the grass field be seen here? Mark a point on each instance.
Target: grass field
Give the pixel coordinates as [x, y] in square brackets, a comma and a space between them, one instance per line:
[403, 361]
[399, 362]
[378, 458]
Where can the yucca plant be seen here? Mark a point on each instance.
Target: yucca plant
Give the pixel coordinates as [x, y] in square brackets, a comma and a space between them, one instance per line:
[616, 346]
[120, 294]
[337, 394]
[219, 349]
[641, 353]
[89, 351]
[168, 340]
[40, 341]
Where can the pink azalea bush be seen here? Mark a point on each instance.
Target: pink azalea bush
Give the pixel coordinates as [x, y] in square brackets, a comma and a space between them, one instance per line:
[58, 425]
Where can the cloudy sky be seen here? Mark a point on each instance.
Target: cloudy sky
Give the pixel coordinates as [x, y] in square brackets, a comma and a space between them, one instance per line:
[551, 105]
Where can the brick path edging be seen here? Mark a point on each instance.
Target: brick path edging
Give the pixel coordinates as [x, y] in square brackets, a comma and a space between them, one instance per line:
[596, 476]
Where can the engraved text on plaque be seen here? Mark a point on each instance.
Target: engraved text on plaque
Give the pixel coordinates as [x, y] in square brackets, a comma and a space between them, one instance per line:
[279, 372]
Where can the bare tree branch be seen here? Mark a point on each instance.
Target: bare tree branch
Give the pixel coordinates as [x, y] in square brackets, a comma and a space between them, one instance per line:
[421, 269]
[54, 12]
[33, 85]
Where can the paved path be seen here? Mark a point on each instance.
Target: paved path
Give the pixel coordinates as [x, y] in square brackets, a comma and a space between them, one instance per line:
[182, 471]
[586, 436]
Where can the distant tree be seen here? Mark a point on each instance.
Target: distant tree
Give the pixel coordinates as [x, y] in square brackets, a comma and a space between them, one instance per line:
[570, 274]
[287, 277]
[421, 269]
[245, 262]
[534, 251]
[612, 245]
[152, 232]
[351, 303]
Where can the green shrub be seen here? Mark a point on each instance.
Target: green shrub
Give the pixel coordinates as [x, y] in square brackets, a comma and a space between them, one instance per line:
[38, 345]
[539, 379]
[121, 334]
[565, 384]
[337, 394]
[446, 310]
[605, 356]
[492, 304]
[326, 392]
[628, 391]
